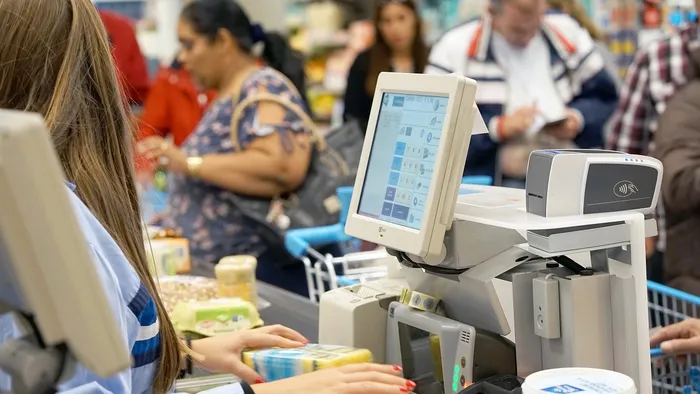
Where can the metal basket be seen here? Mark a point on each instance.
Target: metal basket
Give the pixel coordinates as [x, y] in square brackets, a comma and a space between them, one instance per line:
[668, 306]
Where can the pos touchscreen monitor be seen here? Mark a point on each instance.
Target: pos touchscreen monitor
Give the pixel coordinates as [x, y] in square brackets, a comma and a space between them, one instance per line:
[412, 162]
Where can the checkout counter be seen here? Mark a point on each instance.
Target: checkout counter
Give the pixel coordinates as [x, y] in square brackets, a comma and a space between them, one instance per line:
[451, 241]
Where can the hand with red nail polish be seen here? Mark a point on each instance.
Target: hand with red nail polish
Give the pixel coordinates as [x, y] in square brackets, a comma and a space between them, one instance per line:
[222, 354]
[350, 379]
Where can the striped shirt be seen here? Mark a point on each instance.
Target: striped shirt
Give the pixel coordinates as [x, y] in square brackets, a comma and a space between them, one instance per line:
[657, 73]
[133, 308]
[576, 68]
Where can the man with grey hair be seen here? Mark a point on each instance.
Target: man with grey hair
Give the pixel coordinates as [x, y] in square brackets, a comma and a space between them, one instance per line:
[538, 73]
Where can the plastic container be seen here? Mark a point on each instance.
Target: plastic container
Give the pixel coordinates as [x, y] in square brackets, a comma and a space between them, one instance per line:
[276, 364]
[579, 381]
[236, 278]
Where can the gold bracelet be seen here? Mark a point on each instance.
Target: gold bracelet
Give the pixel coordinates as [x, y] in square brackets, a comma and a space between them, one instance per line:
[193, 165]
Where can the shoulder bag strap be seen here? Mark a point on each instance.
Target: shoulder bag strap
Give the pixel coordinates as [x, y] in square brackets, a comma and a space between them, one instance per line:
[316, 136]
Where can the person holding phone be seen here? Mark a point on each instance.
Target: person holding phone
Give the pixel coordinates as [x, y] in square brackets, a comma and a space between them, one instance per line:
[539, 75]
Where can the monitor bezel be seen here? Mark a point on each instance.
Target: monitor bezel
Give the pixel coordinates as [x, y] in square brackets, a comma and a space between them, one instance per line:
[396, 236]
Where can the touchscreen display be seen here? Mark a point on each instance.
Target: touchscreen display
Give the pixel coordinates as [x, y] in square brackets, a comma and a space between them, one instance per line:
[402, 160]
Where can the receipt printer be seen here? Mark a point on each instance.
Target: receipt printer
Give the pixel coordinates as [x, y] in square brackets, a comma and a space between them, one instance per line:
[578, 182]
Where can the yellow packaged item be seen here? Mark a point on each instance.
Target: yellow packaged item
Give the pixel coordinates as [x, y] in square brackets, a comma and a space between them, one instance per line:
[276, 364]
[215, 317]
[235, 276]
[180, 249]
[436, 356]
[160, 259]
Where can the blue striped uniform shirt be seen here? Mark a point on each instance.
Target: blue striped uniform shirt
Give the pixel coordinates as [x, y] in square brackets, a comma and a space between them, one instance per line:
[133, 308]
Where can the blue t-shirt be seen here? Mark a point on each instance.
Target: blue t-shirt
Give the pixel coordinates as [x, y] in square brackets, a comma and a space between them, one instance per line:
[133, 309]
[204, 213]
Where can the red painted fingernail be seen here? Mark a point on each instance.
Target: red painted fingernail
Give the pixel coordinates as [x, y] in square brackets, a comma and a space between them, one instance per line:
[397, 368]
[410, 384]
[259, 381]
[405, 390]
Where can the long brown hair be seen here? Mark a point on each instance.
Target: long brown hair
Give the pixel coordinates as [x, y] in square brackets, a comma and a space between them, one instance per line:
[380, 53]
[56, 61]
[576, 11]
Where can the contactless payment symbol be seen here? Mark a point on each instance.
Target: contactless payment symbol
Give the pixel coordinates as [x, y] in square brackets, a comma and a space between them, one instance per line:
[563, 389]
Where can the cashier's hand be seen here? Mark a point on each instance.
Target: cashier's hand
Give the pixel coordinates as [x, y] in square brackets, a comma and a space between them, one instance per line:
[168, 156]
[350, 379]
[569, 129]
[222, 354]
[678, 339]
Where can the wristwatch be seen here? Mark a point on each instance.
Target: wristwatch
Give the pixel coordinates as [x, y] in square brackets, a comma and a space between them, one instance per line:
[193, 165]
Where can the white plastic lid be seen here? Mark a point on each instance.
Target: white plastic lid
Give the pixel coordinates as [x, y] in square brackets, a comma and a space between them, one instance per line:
[578, 381]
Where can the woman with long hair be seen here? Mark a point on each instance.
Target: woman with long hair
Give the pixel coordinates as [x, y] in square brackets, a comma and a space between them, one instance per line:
[399, 47]
[57, 62]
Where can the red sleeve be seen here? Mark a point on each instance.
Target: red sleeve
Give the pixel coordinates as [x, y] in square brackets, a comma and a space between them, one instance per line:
[136, 72]
[129, 60]
[155, 119]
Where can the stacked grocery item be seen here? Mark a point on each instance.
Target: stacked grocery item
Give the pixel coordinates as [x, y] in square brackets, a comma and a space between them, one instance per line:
[276, 364]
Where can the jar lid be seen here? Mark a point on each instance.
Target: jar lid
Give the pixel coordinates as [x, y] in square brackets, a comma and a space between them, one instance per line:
[578, 380]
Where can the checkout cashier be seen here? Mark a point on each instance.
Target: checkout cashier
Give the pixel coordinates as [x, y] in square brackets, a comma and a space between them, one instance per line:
[537, 74]
[78, 94]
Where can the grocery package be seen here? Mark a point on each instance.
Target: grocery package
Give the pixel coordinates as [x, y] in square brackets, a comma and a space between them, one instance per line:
[215, 317]
[169, 239]
[276, 364]
[178, 289]
[160, 258]
[236, 278]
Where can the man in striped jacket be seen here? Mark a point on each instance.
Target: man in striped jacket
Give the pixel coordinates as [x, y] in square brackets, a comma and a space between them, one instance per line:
[526, 64]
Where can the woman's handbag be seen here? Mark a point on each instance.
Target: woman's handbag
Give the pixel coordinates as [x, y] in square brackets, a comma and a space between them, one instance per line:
[334, 162]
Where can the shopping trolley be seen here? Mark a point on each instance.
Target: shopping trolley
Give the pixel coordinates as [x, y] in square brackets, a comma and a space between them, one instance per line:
[326, 272]
[668, 306]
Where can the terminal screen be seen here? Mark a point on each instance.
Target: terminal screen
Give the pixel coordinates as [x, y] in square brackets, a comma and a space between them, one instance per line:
[402, 160]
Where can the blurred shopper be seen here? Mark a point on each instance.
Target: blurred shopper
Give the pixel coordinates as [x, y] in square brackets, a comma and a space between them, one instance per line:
[130, 62]
[206, 173]
[399, 47]
[527, 63]
[677, 145]
[174, 106]
[574, 9]
[657, 73]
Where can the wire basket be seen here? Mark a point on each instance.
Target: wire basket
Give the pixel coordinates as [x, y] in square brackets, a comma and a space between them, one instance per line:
[670, 374]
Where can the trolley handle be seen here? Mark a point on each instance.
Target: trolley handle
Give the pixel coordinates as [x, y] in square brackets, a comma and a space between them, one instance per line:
[484, 180]
[299, 241]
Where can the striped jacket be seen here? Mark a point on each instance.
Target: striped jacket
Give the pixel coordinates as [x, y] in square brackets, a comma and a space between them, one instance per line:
[577, 68]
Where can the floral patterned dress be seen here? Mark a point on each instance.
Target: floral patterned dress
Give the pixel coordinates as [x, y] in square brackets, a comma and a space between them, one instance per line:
[204, 213]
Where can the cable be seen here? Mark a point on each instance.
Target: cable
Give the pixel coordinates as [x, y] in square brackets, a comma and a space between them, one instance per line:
[406, 260]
